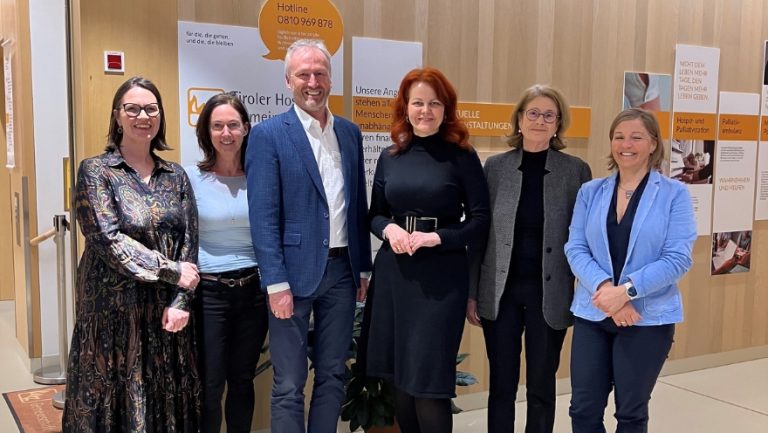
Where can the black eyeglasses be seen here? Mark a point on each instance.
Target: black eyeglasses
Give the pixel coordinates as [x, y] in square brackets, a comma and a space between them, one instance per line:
[534, 114]
[133, 110]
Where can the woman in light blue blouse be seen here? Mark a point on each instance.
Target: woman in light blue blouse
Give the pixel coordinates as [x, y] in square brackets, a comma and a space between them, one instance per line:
[630, 242]
[230, 307]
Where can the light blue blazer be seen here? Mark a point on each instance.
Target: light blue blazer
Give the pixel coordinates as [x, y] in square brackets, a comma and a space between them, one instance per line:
[658, 254]
[289, 214]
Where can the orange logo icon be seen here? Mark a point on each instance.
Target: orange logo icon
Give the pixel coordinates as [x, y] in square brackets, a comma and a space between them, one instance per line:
[196, 98]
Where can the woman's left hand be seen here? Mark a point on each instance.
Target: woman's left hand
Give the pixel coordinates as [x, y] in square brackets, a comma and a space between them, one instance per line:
[421, 239]
[609, 298]
[626, 316]
[174, 320]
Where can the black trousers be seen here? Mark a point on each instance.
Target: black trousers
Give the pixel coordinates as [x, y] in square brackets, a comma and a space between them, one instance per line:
[520, 311]
[626, 360]
[232, 326]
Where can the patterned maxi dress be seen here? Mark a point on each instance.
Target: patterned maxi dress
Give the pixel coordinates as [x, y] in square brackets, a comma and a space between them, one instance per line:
[126, 374]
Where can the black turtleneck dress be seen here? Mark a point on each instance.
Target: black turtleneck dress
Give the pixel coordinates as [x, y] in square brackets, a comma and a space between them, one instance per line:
[418, 303]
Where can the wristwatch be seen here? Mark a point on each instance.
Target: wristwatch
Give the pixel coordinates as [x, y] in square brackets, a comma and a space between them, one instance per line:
[631, 291]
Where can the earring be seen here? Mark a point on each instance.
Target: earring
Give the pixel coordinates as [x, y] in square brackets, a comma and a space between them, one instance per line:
[555, 134]
[519, 131]
[119, 129]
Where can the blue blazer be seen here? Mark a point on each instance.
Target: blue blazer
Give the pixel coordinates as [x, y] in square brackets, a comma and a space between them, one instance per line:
[658, 254]
[288, 208]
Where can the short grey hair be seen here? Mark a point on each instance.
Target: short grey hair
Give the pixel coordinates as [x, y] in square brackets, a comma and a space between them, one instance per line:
[304, 44]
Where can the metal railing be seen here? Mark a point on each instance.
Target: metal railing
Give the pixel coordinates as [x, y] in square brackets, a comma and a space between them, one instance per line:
[45, 376]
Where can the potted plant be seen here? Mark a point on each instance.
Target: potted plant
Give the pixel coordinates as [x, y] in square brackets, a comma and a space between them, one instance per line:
[370, 402]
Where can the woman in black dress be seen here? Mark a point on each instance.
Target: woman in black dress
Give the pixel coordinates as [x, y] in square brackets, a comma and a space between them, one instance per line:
[430, 205]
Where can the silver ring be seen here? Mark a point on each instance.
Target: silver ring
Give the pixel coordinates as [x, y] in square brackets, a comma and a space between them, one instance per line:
[623, 323]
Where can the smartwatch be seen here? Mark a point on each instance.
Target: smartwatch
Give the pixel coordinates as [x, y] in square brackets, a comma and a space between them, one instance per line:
[631, 290]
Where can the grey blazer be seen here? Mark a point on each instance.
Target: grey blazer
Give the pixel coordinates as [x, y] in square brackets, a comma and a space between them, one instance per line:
[565, 174]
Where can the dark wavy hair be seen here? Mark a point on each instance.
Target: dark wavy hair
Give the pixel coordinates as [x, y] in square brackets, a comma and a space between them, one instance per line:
[203, 129]
[515, 139]
[115, 136]
[451, 130]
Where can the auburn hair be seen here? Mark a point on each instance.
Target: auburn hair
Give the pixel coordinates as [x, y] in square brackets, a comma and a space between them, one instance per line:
[452, 129]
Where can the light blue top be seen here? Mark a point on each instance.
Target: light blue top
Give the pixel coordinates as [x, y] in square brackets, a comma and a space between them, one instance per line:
[658, 254]
[225, 234]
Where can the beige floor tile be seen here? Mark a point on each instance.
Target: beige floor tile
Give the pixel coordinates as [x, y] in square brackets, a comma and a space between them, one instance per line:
[744, 384]
[672, 410]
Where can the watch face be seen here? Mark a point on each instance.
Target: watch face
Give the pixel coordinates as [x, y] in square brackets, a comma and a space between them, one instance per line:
[631, 291]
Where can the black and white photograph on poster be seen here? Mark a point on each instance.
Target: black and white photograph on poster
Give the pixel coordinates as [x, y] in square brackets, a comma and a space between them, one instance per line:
[731, 252]
[692, 161]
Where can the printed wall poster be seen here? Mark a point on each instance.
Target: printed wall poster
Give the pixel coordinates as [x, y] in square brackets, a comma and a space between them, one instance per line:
[248, 66]
[694, 125]
[378, 66]
[10, 154]
[493, 120]
[761, 197]
[652, 92]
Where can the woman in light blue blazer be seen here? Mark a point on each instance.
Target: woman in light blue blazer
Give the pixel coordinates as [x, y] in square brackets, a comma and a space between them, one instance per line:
[630, 242]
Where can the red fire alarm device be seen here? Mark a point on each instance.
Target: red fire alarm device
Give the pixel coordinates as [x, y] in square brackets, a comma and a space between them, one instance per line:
[114, 62]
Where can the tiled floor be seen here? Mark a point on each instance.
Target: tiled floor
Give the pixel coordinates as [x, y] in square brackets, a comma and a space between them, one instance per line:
[728, 399]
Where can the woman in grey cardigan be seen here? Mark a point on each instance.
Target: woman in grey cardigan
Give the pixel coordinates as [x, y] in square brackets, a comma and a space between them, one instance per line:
[525, 284]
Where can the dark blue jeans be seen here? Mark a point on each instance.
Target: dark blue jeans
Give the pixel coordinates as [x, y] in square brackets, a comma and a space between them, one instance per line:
[627, 360]
[232, 326]
[332, 307]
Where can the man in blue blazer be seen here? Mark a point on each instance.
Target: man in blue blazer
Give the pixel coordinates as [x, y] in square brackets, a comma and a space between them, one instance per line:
[307, 201]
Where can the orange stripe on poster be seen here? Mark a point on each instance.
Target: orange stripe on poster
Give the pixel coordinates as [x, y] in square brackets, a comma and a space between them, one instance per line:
[486, 120]
[739, 127]
[764, 129]
[336, 104]
[372, 114]
[663, 118]
[581, 122]
[695, 126]
[494, 120]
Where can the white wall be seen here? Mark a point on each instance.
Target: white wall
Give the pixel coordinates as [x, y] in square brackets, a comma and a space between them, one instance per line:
[47, 22]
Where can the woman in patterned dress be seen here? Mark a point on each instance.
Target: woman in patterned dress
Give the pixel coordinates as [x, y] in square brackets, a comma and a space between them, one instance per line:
[132, 362]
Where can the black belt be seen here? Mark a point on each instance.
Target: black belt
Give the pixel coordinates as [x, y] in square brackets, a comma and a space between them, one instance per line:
[334, 253]
[232, 282]
[412, 223]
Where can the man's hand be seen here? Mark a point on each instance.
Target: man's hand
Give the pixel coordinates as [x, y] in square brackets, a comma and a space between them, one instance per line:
[281, 304]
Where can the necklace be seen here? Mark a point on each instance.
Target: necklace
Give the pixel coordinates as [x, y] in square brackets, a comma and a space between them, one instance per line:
[627, 192]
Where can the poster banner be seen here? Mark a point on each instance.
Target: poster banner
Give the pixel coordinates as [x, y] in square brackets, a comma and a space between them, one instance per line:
[761, 198]
[694, 125]
[495, 120]
[10, 153]
[215, 58]
[734, 181]
[652, 92]
[378, 66]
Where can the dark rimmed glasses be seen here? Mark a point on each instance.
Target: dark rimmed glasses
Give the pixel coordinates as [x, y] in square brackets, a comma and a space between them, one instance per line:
[549, 116]
[134, 110]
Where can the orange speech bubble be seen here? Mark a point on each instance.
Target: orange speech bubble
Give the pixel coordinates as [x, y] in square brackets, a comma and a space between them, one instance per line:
[282, 22]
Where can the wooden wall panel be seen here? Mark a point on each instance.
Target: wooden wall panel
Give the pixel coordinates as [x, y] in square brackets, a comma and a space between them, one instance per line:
[492, 50]
[14, 27]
